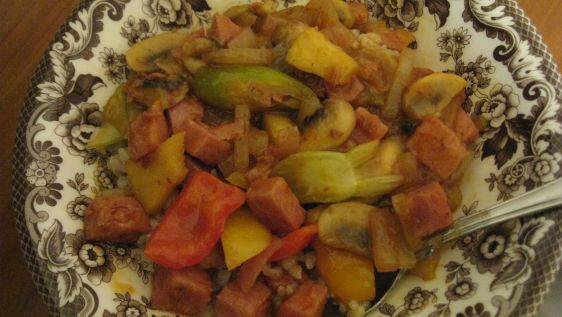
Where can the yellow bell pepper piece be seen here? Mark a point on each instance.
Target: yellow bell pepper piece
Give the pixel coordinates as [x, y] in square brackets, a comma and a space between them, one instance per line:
[152, 184]
[244, 236]
[348, 276]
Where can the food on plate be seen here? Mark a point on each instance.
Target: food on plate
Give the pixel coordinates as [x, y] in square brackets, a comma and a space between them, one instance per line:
[283, 157]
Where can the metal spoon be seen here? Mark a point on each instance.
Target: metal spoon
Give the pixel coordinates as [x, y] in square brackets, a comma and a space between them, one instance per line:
[540, 199]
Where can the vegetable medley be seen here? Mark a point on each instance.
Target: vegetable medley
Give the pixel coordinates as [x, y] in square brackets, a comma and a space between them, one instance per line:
[279, 160]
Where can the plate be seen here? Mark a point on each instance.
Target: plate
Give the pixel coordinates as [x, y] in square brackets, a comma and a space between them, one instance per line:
[513, 84]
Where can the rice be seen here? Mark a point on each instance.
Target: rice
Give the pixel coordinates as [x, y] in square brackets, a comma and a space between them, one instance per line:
[353, 308]
[291, 266]
[273, 272]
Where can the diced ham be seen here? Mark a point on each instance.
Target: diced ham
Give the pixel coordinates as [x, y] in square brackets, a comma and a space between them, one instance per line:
[146, 133]
[214, 260]
[251, 269]
[308, 300]
[360, 12]
[368, 127]
[269, 23]
[184, 291]
[202, 143]
[389, 249]
[117, 219]
[223, 29]
[426, 210]
[230, 131]
[273, 202]
[232, 302]
[348, 92]
[395, 39]
[465, 128]
[437, 146]
[188, 109]
[340, 35]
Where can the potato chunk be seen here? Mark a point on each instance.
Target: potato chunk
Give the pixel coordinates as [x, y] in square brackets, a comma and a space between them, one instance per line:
[153, 181]
[312, 52]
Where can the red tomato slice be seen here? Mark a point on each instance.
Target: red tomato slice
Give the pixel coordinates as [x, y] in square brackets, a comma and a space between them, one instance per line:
[194, 222]
[295, 241]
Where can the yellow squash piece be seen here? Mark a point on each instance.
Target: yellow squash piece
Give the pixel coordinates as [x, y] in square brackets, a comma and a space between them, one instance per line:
[244, 237]
[312, 52]
[153, 183]
[348, 276]
[431, 94]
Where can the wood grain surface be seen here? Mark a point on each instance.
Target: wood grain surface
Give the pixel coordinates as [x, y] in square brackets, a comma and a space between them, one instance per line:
[26, 28]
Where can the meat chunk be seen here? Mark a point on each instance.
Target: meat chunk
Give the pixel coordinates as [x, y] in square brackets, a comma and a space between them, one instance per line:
[201, 142]
[188, 109]
[437, 146]
[232, 302]
[389, 248]
[185, 291]
[348, 92]
[368, 127]
[465, 128]
[146, 133]
[425, 210]
[117, 219]
[360, 12]
[223, 29]
[273, 202]
[308, 300]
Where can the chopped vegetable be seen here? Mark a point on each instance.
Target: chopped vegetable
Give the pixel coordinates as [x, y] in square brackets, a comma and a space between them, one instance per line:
[244, 236]
[141, 56]
[431, 94]
[346, 226]
[399, 83]
[256, 86]
[153, 183]
[349, 277]
[105, 136]
[389, 249]
[312, 177]
[241, 55]
[295, 241]
[326, 59]
[250, 270]
[331, 128]
[194, 223]
[241, 154]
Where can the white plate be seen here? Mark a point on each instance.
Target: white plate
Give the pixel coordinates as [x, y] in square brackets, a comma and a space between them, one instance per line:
[513, 82]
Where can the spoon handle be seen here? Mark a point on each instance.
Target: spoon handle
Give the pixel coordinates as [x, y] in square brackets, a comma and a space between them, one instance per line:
[539, 199]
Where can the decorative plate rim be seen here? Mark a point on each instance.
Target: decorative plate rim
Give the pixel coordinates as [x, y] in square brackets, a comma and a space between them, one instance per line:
[45, 286]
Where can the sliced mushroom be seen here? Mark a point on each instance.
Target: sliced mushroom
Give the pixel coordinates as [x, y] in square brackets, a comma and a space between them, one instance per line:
[331, 128]
[346, 226]
[431, 94]
[141, 56]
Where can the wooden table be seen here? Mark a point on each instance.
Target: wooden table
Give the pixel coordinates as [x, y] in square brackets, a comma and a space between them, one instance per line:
[26, 28]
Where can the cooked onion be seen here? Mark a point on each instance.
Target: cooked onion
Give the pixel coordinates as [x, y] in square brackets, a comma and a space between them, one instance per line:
[401, 77]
